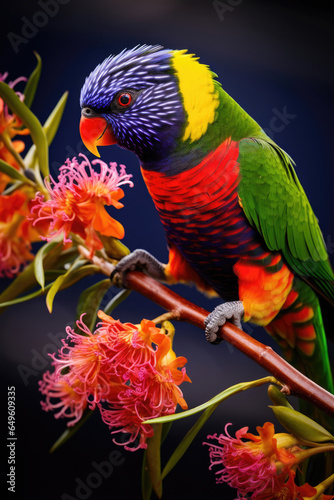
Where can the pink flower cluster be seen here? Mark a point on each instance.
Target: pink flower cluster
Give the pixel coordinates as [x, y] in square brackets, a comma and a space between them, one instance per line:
[129, 372]
[77, 201]
[263, 466]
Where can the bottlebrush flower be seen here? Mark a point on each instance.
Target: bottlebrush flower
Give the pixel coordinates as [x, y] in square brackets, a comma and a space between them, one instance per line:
[70, 402]
[78, 199]
[151, 389]
[83, 357]
[129, 346]
[263, 467]
[148, 394]
[260, 465]
[130, 368]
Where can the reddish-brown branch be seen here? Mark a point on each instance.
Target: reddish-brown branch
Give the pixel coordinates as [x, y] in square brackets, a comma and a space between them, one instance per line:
[296, 383]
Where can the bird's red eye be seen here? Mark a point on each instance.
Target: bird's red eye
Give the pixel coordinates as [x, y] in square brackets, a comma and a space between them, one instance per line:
[124, 99]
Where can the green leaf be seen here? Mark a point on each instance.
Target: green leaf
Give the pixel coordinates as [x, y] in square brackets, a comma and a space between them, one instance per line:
[52, 274]
[187, 440]
[38, 262]
[50, 128]
[114, 248]
[66, 283]
[66, 257]
[31, 85]
[52, 123]
[70, 278]
[13, 173]
[301, 426]
[154, 461]
[230, 391]
[115, 301]
[79, 274]
[146, 485]
[23, 282]
[59, 283]
[31, 122]
[165, 430]
[25, 298]
[7, 142]
[277, 398]
[70, 431]
[208, 408]
[11, 188]
[90, 300]
[26, 280]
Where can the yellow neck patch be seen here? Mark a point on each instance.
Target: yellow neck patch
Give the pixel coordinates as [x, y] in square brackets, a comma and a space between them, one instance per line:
[200, 98]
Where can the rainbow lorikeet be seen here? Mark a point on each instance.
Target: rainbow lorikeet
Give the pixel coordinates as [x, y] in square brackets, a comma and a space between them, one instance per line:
[237, 220]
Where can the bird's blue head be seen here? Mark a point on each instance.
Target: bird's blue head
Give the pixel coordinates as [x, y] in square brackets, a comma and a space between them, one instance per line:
[133, 99]
[148, 100]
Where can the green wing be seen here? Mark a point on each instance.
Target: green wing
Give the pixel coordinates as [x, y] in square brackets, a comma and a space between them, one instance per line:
[275, 204]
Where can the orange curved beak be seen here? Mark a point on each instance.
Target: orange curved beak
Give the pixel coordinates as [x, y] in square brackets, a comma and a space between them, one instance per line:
[95, 132]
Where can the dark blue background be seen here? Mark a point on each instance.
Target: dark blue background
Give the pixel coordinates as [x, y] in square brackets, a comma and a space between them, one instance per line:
[269, 56]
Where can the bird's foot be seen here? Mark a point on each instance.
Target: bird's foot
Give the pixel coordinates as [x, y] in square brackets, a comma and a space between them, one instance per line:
[229, 310]
[139, 260]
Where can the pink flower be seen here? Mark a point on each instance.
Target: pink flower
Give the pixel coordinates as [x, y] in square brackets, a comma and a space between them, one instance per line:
[77, 201]
[150, 393]
[130, 368]
[84, 358]
[129, 346]
[151, 374]
[70, 402]
[261, 465]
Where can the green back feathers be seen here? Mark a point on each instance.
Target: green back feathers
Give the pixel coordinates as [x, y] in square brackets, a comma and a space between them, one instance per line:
[275, 203]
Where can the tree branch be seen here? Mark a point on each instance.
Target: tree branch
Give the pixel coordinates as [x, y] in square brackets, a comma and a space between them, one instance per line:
[295, 383]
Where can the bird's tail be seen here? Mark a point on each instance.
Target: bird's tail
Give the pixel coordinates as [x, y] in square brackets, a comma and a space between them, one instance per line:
[299, 330]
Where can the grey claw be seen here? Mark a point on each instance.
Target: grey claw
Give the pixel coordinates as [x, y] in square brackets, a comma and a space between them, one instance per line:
[229, 310]
[117, 278]
[138, 259]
